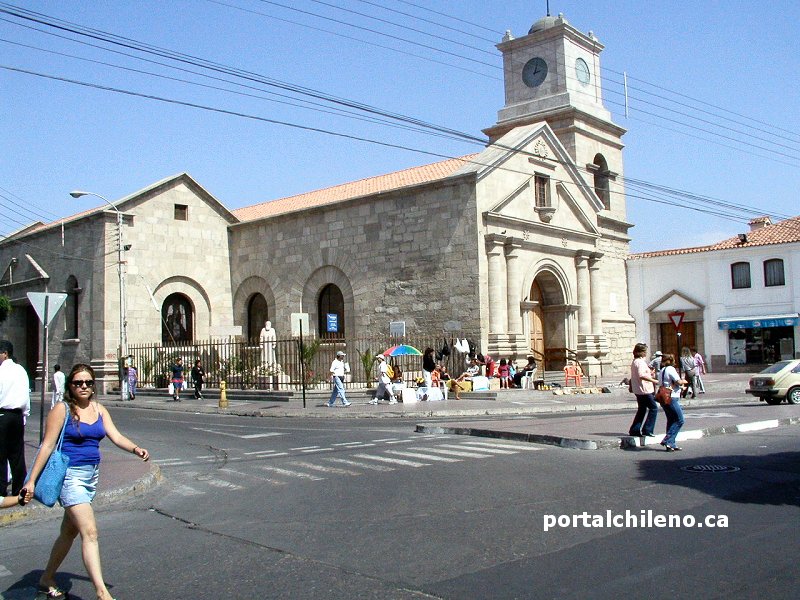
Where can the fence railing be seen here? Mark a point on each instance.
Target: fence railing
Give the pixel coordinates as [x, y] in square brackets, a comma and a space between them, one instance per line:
[288, 363]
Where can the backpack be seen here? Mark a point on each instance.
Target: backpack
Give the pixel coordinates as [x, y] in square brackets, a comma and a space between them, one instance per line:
[390, 371]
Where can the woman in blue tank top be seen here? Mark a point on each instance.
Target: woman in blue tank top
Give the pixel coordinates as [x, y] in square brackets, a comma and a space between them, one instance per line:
[89, 423]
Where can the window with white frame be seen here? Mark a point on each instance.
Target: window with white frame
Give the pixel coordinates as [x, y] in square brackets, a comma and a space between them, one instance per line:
[541, 191]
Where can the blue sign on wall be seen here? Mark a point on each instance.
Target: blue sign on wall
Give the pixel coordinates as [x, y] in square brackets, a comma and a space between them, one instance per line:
[333, 322]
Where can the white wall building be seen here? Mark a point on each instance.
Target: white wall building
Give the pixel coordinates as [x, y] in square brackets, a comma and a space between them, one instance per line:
[740, 298]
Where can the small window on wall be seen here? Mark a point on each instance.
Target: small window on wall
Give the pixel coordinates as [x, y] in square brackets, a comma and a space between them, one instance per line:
[773, 272]
[740, 275]
[71, 309]
[541, 191]
[181, 212]
[601, 181]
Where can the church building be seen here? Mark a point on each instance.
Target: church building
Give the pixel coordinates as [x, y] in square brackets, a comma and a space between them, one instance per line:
[520, 247]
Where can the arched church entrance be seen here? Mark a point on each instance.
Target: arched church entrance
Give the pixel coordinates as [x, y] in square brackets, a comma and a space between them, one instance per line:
[548, 318]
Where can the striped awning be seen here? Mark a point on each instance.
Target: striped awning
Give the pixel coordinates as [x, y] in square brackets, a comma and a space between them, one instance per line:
[757, 322]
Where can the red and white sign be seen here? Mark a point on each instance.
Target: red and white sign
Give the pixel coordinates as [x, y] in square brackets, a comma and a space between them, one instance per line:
[677, 319]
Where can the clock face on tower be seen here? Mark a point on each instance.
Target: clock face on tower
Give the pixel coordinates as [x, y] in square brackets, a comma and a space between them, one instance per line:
[534, 72]
[582, 71]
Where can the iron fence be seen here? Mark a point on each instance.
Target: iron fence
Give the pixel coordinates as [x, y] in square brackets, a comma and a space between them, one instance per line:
[289, 363]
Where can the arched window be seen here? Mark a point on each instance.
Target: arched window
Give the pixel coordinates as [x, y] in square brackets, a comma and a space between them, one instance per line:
[330, 311]
[177, 320]
[257, 314]
[740, 275]
[773, 272]
[71, 309]
[601, 180]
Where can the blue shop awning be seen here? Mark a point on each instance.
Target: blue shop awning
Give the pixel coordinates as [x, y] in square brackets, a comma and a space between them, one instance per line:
[757, 322]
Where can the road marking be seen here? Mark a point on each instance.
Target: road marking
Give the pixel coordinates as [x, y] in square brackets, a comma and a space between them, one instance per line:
[172, 462]
[4, 572]
[323, 468]
[465, 445]
[290, 473]
[526, 447]
[317, 450]
[355, 463]
[247, 436]
[185, 490]
[266, 453]
[304, 448]
[463, 453]
[401, 441]
[348, 444]
[708, 415]
[758, 426]
[224, 484]
[250, 476]
[422, 456]
[397, 461]
[386, 440]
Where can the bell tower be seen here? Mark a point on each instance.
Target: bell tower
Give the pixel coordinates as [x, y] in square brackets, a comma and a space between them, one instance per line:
[553, 74]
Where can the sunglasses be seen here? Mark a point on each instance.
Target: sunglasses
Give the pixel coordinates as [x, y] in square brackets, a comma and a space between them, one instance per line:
[82, 383]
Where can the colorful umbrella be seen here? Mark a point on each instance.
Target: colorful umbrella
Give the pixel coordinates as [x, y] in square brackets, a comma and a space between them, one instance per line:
[402, 350]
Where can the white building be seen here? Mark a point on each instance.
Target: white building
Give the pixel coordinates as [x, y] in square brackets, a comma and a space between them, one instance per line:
[739, 298]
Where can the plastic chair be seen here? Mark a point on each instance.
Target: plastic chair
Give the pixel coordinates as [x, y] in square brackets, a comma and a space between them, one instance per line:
[573, 373]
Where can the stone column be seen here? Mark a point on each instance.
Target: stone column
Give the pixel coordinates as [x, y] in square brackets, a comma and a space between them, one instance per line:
[584, 295]
[497, 284]
[594, 281]
[513, 285]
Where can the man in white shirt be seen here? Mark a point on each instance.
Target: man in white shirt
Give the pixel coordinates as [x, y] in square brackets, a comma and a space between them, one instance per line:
[59, 382]
[337, 379]
[384, 382]
[15, 406]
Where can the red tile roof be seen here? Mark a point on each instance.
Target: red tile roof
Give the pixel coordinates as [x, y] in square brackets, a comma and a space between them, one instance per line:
[782, 232]
[355, 189]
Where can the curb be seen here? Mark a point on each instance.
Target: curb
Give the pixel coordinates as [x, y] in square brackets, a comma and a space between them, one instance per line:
[623, 442]
[35, 510]
[628, 441]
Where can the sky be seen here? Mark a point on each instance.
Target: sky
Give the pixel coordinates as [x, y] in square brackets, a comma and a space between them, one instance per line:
[713, 113]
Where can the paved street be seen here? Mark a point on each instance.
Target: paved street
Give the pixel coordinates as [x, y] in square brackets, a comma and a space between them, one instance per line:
[310, 508]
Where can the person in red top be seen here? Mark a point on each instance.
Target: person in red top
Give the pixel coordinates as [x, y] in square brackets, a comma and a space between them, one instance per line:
[503, 372]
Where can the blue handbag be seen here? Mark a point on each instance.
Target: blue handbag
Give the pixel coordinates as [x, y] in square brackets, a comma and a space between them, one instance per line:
[51, 479]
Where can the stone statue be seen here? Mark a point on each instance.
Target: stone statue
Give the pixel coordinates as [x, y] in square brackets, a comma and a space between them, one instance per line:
[268, 342]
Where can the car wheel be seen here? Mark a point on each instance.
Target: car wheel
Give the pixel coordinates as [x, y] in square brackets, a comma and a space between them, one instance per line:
[772, 400]
[793, 396]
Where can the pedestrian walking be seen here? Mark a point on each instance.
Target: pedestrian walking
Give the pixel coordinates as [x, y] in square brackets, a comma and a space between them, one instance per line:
[642, 385]
[689, 371]
[669, 378]
[87, 423]
[15, 406]
[177, 379]
[58, 386]
[133, 379]
[700, 363]
[337, 379]
[384, 382]
[198, 377]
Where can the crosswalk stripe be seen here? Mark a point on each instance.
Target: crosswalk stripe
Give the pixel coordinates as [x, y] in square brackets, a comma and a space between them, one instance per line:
[322, 468]
[422, 456]
[397, 461]
[355, 463]
[348, 444]
[480, 449]
[185, 490]
[463, 453]
[385, 440]
[528, 447]
[290, 473]
[266, 453]
[172, 463]
[224, 484]
[400, 441]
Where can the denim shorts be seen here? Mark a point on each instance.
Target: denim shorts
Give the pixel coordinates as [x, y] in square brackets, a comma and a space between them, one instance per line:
[80, 485]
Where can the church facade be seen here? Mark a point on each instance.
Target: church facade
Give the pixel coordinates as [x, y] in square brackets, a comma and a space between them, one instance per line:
[520, 247]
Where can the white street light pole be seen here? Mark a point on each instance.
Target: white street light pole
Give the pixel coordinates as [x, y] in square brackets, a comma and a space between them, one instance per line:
[123, 320]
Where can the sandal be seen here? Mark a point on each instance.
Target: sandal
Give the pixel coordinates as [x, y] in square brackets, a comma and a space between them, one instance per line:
[52, 592]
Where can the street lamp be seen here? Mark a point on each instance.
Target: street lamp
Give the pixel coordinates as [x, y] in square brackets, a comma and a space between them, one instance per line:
[123, 321]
